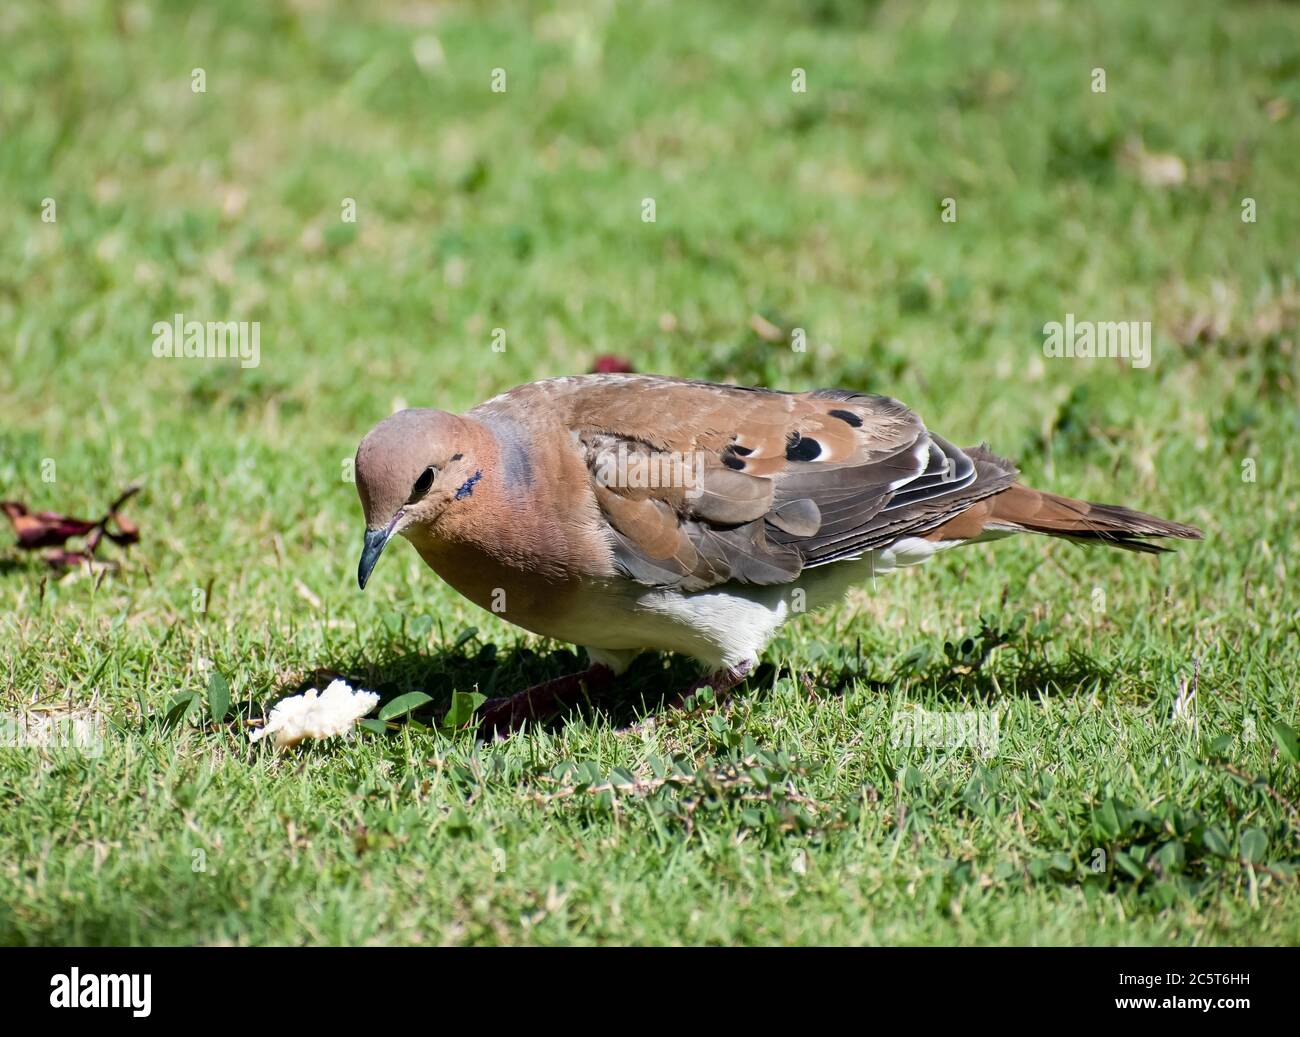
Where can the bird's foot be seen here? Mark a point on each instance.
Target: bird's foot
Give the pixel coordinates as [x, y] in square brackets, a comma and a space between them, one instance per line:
[502, 716]
[720, 683]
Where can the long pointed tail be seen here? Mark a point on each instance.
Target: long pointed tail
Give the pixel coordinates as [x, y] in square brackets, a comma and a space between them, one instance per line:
[1020, 509]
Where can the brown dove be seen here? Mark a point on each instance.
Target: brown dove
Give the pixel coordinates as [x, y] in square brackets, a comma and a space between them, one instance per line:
[628, 512]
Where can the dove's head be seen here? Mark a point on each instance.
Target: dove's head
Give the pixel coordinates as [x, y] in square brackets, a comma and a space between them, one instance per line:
[410, 469]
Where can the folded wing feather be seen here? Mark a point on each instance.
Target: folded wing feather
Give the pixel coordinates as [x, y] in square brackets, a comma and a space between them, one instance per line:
[768, 482]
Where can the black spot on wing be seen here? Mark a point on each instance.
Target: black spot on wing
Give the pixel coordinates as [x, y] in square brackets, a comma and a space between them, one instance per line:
[800, 448]
[846, 415]
[731, 461]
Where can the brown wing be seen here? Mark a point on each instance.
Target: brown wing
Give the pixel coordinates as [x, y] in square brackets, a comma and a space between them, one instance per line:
[703, 484]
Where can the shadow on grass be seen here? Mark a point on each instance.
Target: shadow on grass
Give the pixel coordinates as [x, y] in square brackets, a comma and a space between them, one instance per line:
[1015, 674]
[963, 673]
[398, 669]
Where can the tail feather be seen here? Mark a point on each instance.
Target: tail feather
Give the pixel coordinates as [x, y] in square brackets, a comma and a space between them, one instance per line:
[1021, 509]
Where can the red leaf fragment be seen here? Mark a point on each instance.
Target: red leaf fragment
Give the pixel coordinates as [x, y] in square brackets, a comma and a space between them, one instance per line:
[45, 528]
[64, 559]
[52, 529]
[611, 363]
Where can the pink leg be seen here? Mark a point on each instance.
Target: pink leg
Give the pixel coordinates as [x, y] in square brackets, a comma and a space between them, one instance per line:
[499, 717]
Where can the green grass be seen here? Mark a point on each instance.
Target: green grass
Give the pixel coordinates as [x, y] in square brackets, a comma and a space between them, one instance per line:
[792, 817]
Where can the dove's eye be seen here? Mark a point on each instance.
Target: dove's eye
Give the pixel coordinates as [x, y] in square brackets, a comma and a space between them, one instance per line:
[423, 483]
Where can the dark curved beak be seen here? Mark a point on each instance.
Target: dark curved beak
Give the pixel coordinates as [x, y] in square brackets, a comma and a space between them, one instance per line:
[370, 552]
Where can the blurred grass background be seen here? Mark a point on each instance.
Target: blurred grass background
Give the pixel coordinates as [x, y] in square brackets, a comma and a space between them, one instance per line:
[522, 210]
